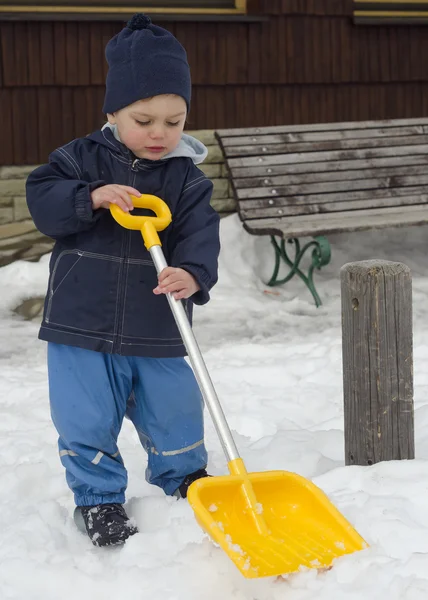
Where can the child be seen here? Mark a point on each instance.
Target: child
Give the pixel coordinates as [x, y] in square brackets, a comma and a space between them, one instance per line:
[113, 345]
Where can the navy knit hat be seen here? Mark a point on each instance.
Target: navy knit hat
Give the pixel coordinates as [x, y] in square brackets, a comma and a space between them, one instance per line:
[144, 61]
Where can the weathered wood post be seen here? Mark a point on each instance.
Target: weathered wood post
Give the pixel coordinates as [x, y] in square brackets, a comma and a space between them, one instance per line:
[377, 341]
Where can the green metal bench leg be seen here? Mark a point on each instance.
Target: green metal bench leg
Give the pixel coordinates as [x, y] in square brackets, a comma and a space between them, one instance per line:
[321, 255]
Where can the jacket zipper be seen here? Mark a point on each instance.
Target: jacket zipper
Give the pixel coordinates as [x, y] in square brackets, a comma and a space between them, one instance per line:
[123, 275]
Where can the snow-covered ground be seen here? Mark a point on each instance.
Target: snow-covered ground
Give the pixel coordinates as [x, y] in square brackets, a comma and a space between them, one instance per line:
[276, 363]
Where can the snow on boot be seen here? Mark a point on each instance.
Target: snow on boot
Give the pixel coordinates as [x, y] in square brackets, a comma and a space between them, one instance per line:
[107, 524]
[181, 491]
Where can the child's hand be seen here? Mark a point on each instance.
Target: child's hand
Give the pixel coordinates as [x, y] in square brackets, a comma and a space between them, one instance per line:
[103, 196]
[177, 280]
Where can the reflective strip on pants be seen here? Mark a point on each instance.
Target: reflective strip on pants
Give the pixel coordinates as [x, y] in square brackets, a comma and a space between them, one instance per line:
[180, 451]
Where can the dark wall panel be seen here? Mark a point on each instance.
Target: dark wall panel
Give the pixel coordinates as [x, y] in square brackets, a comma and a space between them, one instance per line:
[306, 63]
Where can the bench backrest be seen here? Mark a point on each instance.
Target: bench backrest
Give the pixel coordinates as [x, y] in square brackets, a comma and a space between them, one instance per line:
[327, 168]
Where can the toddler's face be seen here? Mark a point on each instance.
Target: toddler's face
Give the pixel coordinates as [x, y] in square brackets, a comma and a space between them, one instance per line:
[151, 128]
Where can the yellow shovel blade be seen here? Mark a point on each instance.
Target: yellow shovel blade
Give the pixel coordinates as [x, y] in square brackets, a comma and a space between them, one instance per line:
[304, 528]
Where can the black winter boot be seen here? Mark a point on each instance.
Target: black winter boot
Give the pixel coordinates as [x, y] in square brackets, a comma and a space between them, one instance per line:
[107, 524]
[181, 491]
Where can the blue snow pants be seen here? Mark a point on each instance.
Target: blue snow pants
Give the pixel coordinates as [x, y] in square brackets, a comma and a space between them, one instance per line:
[91, 392]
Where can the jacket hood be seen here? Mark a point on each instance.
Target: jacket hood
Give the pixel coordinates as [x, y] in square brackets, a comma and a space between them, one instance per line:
[188, 147]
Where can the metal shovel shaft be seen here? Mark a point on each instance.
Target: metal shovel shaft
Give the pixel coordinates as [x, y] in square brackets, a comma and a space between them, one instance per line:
[204, 380]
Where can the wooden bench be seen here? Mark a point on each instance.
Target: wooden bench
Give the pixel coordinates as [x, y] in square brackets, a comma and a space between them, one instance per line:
[312, 180]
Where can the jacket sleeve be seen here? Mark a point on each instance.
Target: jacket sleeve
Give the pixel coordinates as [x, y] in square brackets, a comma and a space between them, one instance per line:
[195, 240]
[58, 199]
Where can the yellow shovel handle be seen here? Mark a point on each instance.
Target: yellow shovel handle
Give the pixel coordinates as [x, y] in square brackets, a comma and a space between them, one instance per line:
[149, 226]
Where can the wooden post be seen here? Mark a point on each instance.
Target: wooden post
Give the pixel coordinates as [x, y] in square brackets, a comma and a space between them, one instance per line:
[377, 340]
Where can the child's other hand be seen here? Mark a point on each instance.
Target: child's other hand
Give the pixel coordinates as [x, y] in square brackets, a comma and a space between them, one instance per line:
[103, 196]
[177, 281]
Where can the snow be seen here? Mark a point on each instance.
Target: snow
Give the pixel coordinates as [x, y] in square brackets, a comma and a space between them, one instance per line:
[276, 363]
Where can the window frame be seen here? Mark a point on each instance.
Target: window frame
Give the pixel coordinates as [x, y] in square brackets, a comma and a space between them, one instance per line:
[391, 12]
[113, 9]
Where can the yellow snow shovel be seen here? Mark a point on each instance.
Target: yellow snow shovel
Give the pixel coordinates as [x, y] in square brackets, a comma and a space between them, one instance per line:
[269, 523]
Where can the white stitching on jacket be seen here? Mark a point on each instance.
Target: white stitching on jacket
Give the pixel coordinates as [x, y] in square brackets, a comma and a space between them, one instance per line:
[194, 184]
[193, 181]
[64, 155]
[107, 140]
[72, 159]
[92, 337]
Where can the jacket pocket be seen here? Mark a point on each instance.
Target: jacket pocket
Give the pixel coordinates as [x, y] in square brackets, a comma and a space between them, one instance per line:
[82, 292]
[147, 316]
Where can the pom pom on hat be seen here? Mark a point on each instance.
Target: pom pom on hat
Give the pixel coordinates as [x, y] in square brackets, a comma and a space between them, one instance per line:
[139, 21]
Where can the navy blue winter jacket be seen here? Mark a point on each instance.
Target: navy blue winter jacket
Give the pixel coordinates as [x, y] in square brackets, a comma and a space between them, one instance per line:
[100, 294]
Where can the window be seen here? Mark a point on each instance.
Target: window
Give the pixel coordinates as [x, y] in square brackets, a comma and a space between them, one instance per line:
[391, 12]
[44, 9]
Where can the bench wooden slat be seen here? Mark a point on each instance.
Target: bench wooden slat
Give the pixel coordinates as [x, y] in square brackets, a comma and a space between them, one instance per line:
[326, 223]
[342, 196]
[352, 134]
[222, 133]
[266, 149]
[333, 186]
[333, 207]
[268, 182]
[345, 166]
[305, 157]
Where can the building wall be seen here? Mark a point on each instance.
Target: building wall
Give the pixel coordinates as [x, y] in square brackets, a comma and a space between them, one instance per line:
[306, 62]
